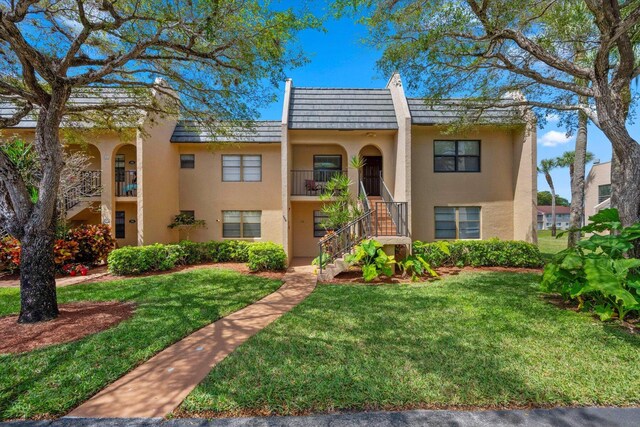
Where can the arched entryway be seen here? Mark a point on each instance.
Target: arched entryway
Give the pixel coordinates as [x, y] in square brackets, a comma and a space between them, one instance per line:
[372, 170]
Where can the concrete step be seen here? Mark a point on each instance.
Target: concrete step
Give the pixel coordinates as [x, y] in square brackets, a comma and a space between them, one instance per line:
[332, 270]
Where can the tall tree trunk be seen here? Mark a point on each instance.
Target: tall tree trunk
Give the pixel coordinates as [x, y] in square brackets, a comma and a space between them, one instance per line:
[625, 166]
[547, 176]
[37, 267]
[577, 181]
[38, 301]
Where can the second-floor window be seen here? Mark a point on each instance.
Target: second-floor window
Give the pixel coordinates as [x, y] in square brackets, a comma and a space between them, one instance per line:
[457, 222]
[456, 156]
[187, 161]
[604, 192]
[326, 166]
[241, 168]
[119, 167]
[241, 224]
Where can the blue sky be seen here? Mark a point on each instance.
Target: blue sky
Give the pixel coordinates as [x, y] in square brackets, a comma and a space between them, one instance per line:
[340, 58]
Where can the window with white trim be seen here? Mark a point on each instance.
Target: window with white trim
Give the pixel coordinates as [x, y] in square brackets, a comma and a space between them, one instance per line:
[241, 168]
[604, 192]
[241, 224]
[457, 222]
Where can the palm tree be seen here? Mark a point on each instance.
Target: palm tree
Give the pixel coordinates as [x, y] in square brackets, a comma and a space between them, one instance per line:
[575, 161]
[545, 167]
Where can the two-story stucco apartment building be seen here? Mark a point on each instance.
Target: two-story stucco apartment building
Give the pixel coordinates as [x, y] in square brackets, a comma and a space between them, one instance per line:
[264, 183]
[597, 189]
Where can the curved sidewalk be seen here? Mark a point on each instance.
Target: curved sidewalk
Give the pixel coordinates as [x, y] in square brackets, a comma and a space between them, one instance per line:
[158, 386]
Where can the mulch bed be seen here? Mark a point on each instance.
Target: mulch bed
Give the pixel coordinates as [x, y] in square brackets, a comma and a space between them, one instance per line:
[76, 320]
[354, 275]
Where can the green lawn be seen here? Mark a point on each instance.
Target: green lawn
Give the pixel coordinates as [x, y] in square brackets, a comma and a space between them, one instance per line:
[53, 380]
[477, 339]
[549, 245]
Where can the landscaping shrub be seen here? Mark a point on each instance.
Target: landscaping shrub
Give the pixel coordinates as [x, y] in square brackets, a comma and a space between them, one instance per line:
[197, 252]
[95, 242]
[9, 254]
[267, 256]
[600, 272]
[480, 253]
[65, 251]
[417, 267]
[225, 251]
[372, 258]
[142, 259]
[87, 245]
[231, 251]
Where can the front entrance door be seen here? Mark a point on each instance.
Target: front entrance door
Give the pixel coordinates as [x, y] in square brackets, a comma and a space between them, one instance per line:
[371, 175]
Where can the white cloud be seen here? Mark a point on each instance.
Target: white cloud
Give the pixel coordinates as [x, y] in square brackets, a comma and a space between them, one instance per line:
[553, 138]
[553, 118]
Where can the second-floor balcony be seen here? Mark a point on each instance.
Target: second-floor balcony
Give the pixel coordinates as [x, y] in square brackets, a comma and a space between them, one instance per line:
[311, 182]
[126, 183]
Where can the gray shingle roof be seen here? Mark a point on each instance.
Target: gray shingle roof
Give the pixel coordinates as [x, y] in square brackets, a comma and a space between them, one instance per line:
[262, 132]
[317, 108]
[95, 96]
[446, 112]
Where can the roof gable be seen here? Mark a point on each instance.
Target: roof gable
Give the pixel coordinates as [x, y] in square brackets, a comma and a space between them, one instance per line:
[341, 109]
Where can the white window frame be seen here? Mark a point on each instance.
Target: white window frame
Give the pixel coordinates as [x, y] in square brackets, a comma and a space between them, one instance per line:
[242, 168]
[457, 221]
[242, 224]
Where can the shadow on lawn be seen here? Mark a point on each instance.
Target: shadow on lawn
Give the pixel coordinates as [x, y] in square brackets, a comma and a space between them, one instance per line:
[474, 340]
[54, 379]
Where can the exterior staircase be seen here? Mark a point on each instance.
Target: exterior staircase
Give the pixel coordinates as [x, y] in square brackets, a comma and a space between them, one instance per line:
[383, 219]
[78, 197]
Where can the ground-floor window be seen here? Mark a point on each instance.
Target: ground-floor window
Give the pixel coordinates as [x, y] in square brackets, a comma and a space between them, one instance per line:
[457, 222]
[120, 224]
[241, 224]
[319, 218]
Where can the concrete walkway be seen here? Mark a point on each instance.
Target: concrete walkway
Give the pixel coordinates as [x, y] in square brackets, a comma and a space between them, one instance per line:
[157, 387]
[564, 417]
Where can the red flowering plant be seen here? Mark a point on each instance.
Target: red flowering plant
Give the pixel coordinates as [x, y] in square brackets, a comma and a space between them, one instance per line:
[95, 242]
[75, 269]
[9, 254]
[80, 247]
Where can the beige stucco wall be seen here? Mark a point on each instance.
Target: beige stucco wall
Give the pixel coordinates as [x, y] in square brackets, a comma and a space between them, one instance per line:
[525, 182]
[203, 191]
[302, 155]
[492, 189]
[600, 174]
[158, 170]
[304, 244]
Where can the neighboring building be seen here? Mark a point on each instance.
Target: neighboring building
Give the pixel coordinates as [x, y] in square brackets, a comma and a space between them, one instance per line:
[545, 221]
[597, 189]
[264, 184]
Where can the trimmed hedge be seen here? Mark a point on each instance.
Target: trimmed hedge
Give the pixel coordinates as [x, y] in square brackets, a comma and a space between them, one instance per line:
[225, 251]
[141, 259]
[481, 253]
[267, 256]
